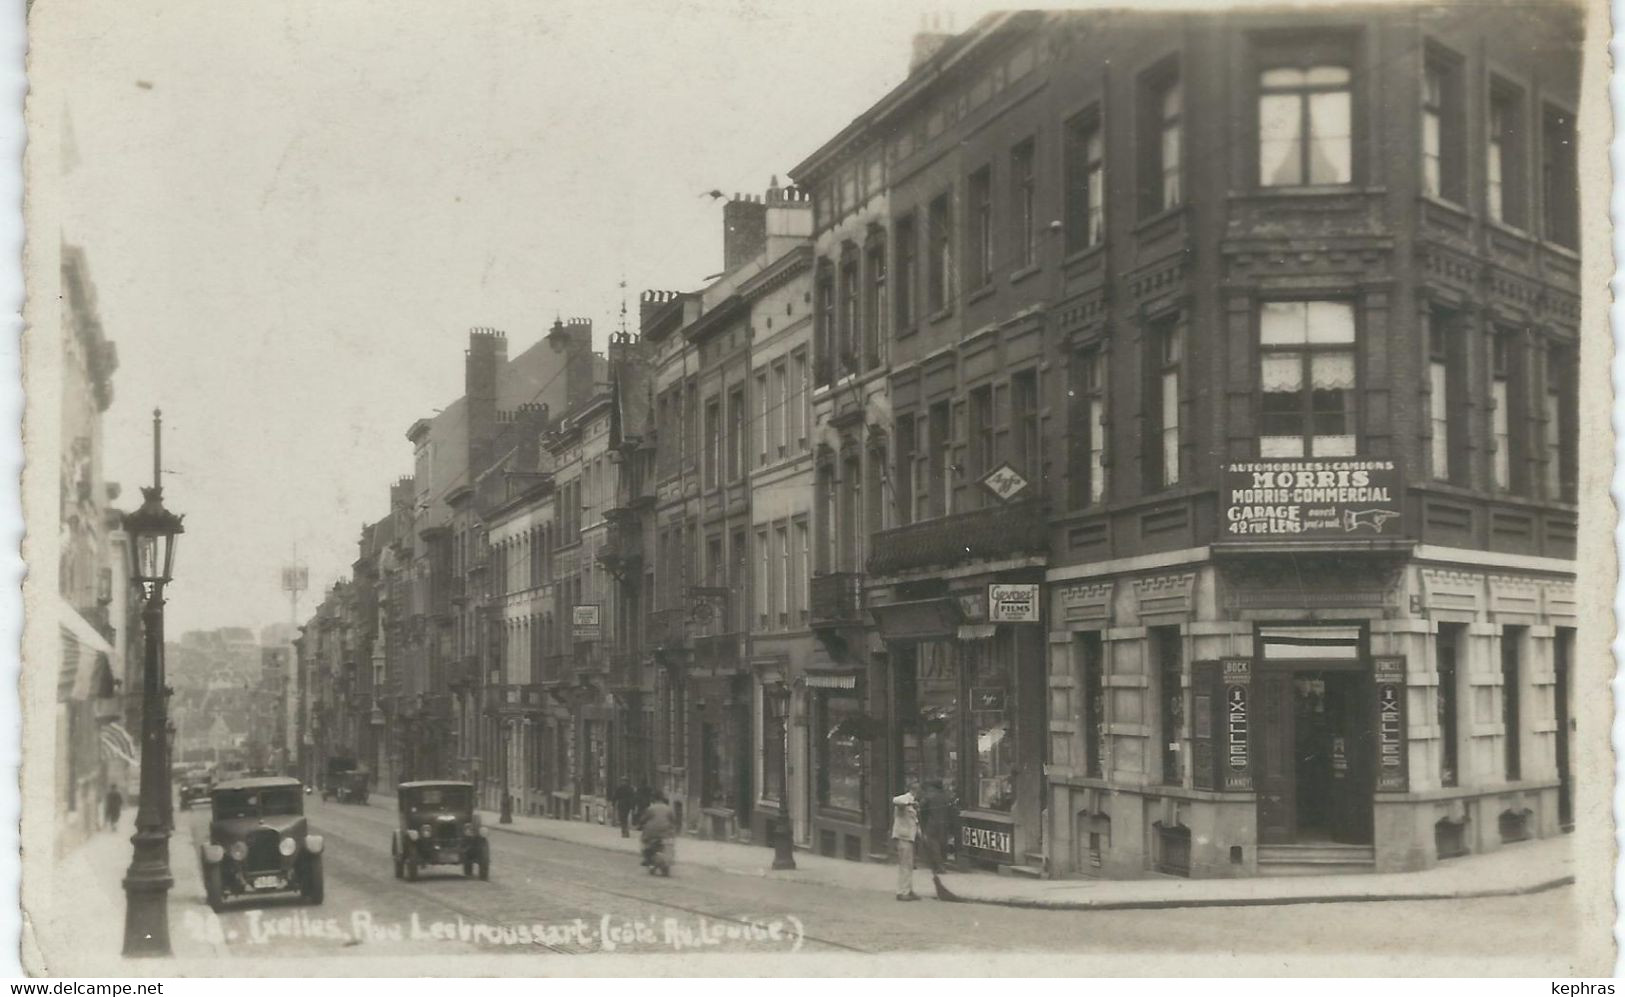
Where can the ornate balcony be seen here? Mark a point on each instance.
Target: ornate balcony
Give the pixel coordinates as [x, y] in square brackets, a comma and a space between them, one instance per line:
[996, 533]
[513, 700]
[837, 599]
[622, 551]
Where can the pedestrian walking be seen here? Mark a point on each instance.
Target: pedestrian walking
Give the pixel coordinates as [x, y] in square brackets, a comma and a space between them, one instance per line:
[640, 802]
[112, 806]
[625, 798]
[936, 821]
[905, 827]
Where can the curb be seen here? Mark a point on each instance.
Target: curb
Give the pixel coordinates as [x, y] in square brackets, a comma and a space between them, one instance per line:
[948, 896]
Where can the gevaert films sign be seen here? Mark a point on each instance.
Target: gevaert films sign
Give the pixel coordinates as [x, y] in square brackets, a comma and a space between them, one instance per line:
[1012, 603]
[1323, 498]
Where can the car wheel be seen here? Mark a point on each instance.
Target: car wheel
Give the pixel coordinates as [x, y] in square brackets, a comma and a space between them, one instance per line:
[214, 886]
[311, 887]
[468, 867]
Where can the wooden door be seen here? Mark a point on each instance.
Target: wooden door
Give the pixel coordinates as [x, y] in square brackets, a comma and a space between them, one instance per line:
[1274, 763]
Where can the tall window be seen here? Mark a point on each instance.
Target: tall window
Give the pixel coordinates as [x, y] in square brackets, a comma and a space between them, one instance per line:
[1447, 647]
[1093, 667]
[713, 441]
[764, 579]
[1305, 133]
[981, 430]
[826, 322]
[782, 585]
[1511, 696]
[1503, 396]
[1504, 155]
[1086, 430]
[1442, 137]
[940, 459]
[939, 281]
[1561, 412]
[1171, 685]
[779, 399]
[1024, 423]
[1164, 352]
[1447, 396]
[874, 303]
[1559, 177]
[908, 249]
[1307, 378]
[1085, 182]
[736, 432]
[825, 511]
[1023, 205]
[803, 566]
[761, 418]
[904, 484]
[1162, 184]
[846, 355]
[797, 416]
[979, 238]
[851, 502]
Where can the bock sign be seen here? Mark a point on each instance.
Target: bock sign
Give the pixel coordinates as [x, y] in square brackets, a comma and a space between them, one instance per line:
[1237, 680]
[1322, 498]
[1390, 682]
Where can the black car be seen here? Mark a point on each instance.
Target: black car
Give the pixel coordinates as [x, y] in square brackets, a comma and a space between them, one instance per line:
[438, 826]
[259, 842]
[195, 788]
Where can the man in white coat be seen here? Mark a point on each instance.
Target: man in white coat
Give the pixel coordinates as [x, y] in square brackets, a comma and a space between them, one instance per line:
[905, 827]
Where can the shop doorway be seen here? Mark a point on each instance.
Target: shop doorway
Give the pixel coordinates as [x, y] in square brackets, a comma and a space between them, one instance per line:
[1315, 756]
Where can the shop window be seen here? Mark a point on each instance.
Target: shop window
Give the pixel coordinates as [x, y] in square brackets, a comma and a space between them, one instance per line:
[1092, 665]
[1086, 418]
[939, 279]
[1511, 699]
[1305, 126]
[979, 226]
[1161, 145]
[1447, 395]
[1307, 379]
[1443, 141]
[907, 251]
[1166, 645]
[1447, 647]
[1085, 182]
[773, 744]
[838, 739]
[1504, 155]
[993, 711]
[1023, 205]
[1560, 181]
[930, 712]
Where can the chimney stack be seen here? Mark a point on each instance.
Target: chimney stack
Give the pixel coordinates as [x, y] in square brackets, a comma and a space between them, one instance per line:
[928, 40]
[487, 354]
[744, 230]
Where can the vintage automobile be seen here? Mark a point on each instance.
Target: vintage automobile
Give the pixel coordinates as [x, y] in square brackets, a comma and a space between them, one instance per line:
[195, 787]
[350, 787]
[259, 842]
[438, 826]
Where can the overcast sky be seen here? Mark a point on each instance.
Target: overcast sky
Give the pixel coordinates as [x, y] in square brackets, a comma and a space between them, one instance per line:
[293, 213]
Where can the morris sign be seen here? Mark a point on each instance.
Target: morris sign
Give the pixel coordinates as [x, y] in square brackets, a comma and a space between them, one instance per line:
[1321, 498]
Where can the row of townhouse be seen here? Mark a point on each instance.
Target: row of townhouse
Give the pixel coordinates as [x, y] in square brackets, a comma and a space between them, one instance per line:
[1158, 427]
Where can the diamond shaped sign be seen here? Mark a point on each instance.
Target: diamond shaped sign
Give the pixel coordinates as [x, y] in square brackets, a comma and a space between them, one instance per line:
[1005, 482]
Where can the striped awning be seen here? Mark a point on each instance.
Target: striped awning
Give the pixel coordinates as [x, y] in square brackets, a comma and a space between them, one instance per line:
[82, 649]
[117, 743]
[830, 680]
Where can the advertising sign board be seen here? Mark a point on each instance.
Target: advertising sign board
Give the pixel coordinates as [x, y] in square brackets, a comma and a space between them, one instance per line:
[1012, 603]
[1392, 775]
[1319, 498]
[985, 839]
[1237, 680]
[584, 623]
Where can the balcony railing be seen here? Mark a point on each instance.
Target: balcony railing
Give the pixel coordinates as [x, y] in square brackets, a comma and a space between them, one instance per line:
[622, 550]
[996, 533]
[514, 700]
[668, 628]
[837, 599]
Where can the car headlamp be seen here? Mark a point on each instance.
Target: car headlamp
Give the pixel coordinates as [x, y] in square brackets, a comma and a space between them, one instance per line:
[426, 831]
[411, 835]
[238, 851]
[287, 846]
[313, 844]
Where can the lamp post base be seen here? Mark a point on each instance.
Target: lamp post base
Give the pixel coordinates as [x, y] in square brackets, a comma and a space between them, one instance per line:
[784, 848]
[146, 896]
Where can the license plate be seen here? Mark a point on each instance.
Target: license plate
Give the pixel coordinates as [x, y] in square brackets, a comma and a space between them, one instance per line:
[267, 882]
[450, 855]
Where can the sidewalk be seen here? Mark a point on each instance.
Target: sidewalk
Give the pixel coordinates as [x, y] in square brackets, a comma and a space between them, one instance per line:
[82, 928]
[1527, 867]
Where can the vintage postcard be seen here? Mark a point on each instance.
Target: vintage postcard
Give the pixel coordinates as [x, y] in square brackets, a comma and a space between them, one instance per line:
[719, 487]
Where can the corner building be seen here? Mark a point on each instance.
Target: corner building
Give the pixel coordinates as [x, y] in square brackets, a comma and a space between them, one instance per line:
[1250, 341]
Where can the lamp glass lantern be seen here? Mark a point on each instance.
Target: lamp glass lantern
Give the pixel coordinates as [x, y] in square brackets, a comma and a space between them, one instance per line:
[153, 531]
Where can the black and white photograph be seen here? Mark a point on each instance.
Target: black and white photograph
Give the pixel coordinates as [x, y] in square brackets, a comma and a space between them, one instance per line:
[746, 488]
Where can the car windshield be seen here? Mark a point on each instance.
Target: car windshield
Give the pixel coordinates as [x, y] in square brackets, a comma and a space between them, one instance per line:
[442, 798]
[281, 801]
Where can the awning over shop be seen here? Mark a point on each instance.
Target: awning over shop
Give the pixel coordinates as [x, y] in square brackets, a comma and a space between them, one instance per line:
[117, 743]
[977, 631]
[82, 649]
[831, 680]
[922, 618]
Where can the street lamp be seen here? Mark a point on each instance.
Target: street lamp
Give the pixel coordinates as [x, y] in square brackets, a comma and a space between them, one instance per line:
[784, 856]
[153, 530]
